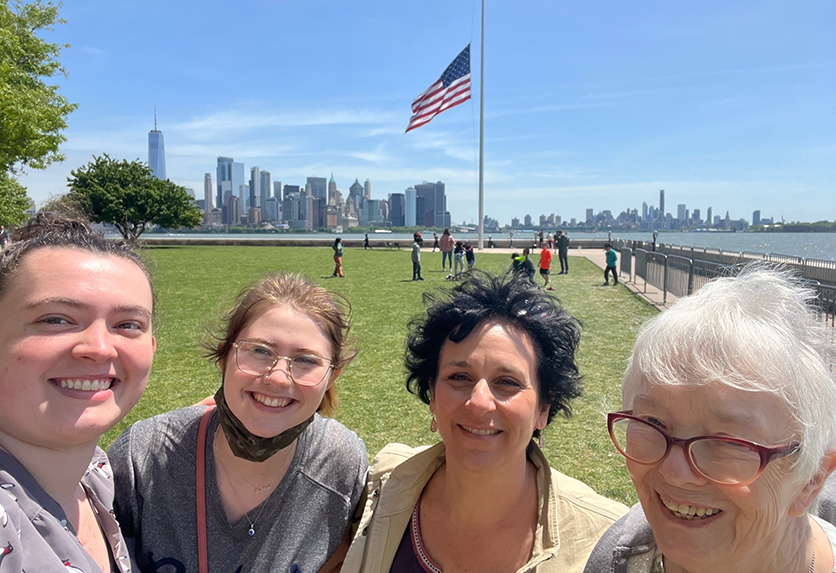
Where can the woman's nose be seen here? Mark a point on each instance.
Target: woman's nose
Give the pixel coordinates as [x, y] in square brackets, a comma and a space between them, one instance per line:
[96, 343]
[482, 397]
[677, 469]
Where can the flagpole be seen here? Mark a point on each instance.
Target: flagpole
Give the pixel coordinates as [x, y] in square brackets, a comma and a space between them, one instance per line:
[482, 135]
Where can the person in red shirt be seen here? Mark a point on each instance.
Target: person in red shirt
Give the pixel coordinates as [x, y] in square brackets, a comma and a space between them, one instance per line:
[545, 265]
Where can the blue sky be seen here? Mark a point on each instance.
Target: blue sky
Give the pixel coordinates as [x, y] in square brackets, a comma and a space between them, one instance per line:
[588, 104]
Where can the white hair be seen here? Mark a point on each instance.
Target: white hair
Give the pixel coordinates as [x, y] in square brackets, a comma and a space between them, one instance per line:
[755, 332]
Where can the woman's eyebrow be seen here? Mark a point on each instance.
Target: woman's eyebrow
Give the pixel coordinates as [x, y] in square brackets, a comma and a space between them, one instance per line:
[72, 303]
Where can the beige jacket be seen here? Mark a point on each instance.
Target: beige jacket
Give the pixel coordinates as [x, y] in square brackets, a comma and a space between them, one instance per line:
[571, 517]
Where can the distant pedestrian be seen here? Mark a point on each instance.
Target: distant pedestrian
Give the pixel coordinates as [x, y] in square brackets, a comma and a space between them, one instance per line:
[516, 262]
[549, 240]
[490, 242]
[447, 242]
[366, 244]
[469, 255]
[458, 258]
[562, 246]
[416, 260]
[338, 257]
[612, 261]
[528, 266]
[524, 266]
[545, 265]
[435, 241]
[510, 239]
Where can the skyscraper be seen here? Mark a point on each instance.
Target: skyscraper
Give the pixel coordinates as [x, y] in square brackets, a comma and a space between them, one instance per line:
[410, 207]
[662, 204]
[224, 175]
[355, 196]
[156, 151]
[367, 189]
[319, 187]
[265, 187]
[396, 209]
[207, 193]
[277, 190]
[435, 205]
[332, 191]
[255, 187]
[239, 186]
[681, 212]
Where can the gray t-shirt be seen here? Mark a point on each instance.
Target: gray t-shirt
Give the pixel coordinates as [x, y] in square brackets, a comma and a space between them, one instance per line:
[35, 534]
[297, 529]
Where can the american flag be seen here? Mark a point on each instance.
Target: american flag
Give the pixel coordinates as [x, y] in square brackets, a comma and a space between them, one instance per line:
[449, 91]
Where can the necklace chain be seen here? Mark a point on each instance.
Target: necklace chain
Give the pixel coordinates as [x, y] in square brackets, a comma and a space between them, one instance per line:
[252, 522]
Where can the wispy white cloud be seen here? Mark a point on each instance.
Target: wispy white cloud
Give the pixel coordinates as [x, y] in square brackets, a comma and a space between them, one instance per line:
[93, 51]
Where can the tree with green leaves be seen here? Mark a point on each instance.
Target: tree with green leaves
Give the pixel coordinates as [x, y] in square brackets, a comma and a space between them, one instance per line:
[13, 201]
[127, 195]
[32, 112]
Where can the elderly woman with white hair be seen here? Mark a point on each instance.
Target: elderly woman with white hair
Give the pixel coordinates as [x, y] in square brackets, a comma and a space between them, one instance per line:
[729, 432]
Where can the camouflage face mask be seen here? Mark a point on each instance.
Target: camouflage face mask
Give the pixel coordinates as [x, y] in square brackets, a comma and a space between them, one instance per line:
[246, 445]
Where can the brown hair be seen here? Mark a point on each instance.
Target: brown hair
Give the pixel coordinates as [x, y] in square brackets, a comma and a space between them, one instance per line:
[48, 230]
[330, 310]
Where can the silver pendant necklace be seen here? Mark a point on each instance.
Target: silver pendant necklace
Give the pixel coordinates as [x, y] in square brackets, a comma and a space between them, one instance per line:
[252, 522]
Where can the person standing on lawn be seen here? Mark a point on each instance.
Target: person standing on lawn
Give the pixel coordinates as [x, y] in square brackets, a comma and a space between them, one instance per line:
[458, 258]
[446, 244]
[545, 265]
[562, 248]
[338, 258]
[469, 255]
[416, 261]
[612, 261]
[435, 241]
[366, 244]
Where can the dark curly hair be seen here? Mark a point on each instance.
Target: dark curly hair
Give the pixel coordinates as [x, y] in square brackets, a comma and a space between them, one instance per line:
[453, 314]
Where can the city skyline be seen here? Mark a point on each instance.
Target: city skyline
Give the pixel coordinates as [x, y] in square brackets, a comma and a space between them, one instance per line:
[715, 103]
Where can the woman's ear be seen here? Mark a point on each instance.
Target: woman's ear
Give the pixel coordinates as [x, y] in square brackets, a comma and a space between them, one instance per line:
[333, 377]
[811, 489]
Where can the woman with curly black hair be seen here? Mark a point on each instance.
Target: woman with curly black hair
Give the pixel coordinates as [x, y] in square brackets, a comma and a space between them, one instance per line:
[494, 358]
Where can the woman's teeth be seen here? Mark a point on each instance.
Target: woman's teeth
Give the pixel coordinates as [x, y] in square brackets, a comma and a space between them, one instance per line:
[271, 402]
[689, 511]
[87, 385]
[480, 432]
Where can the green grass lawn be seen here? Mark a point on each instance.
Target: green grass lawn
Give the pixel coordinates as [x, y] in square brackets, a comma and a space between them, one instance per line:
[194, 284]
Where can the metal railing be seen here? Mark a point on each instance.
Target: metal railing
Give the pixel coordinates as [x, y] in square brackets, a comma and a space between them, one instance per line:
[820, 270]
[681, 276]
[626, 263]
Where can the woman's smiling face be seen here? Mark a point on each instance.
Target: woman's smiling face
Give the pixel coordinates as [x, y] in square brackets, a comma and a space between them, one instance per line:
[269, 405]
[486, 397]
[736, 521]
[76, 346]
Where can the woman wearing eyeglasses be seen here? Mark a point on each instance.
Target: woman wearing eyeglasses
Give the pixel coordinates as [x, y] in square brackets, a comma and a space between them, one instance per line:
[262, 482]
[729, 432]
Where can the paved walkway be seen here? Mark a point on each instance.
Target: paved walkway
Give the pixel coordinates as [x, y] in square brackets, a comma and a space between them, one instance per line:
[646, 292]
